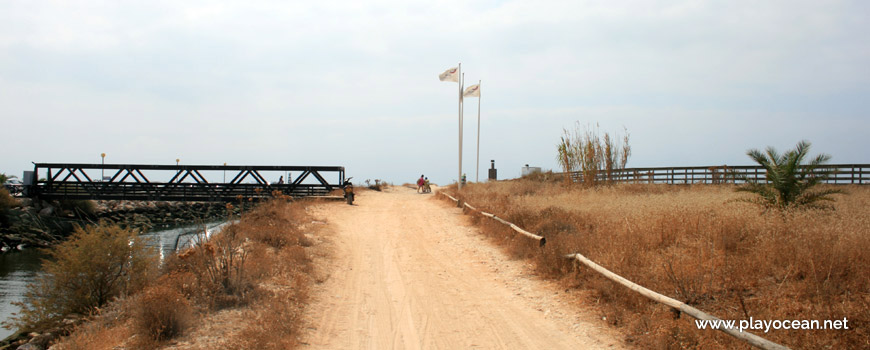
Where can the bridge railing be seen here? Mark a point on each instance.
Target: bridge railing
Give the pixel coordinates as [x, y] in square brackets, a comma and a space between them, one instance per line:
[843, 174]
[186, 182]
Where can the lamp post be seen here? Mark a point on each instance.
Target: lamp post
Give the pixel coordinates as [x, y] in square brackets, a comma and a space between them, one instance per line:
[103, 167]
[177, 161]
[225, 172]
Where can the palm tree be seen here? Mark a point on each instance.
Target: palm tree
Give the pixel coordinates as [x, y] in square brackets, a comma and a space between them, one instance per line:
[789, 182]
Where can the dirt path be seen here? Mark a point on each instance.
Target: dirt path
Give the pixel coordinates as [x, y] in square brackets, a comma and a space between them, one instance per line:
[399, 280]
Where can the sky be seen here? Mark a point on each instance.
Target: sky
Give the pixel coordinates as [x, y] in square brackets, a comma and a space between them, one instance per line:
[355, 83]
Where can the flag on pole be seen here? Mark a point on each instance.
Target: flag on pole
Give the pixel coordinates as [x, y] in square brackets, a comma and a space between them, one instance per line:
[472, 91]
[451, 74]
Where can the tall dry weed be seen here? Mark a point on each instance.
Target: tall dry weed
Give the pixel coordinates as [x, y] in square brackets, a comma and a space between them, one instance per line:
[594, 154]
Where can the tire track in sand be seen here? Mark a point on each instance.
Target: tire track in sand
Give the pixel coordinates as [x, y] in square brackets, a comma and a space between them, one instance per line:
[409, 272]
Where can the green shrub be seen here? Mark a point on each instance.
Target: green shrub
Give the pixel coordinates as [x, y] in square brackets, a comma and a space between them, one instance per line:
[97, 264]
[790, 182]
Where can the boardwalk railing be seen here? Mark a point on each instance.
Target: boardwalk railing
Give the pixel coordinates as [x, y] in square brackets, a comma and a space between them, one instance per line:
[857, 174]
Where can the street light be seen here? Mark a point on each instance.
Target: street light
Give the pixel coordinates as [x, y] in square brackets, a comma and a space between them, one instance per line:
[225, 172]
[176, 161]
[103, 167]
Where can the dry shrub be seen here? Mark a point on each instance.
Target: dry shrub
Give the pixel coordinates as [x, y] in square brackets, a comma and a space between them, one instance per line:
[96, 265]
[6, 202]
[274, 322]
[695, 244]
[217, 267]
[275, 224]
[259, 263]
[283, 291]
[161, 312]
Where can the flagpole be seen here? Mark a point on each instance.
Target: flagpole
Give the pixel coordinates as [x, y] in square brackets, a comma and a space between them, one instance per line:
[461, 124]
[459, 130]
[477, 174]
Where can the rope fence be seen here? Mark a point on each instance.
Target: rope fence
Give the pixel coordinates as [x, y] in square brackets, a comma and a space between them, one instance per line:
[747, 337]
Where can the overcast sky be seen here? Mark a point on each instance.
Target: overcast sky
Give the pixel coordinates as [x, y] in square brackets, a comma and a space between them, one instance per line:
[355, 83]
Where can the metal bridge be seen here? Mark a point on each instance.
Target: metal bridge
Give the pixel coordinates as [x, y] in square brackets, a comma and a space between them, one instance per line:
[185, 182]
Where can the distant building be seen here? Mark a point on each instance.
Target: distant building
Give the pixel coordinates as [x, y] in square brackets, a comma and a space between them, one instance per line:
[528, 170]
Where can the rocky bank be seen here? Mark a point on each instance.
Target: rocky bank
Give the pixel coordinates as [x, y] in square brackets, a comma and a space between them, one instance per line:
[35, 223]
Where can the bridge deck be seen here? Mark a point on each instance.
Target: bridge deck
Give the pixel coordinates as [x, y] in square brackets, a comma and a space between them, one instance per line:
[185, 182]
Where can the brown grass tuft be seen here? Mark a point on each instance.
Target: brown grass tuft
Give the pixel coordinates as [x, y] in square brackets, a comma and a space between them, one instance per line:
[274, 322]
[161, 312]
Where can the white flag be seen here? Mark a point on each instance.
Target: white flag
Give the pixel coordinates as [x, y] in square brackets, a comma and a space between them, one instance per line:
[451, 74]
[472, 91]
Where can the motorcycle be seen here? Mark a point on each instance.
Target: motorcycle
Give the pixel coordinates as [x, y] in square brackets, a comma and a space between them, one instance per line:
[348, 190]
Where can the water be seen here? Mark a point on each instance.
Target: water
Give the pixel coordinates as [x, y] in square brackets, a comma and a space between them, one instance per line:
[19, 268]
[167, 240]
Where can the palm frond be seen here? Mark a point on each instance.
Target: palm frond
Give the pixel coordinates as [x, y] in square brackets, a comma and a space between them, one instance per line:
[789, 180]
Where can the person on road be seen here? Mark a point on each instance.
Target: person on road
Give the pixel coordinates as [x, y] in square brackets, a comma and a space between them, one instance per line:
[281, 180]
[426, 187]
[420, 182]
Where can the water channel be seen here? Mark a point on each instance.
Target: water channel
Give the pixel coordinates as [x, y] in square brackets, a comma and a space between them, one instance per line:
[18, 268]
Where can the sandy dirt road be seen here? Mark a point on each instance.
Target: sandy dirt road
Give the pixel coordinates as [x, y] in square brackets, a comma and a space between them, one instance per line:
[410, 272]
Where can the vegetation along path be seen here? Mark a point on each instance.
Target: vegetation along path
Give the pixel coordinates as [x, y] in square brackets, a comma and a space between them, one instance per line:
[410, 272]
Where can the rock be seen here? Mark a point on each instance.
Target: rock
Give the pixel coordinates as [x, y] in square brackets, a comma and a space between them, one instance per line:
[72, 319]
[41, 341]
[47, 211]
[31, 346]
[25, 202]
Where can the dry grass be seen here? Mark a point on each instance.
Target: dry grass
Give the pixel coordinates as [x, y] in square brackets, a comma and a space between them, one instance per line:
[95, 336]
[105, 332]
[161, 312]
[695, 244]
[266, 248]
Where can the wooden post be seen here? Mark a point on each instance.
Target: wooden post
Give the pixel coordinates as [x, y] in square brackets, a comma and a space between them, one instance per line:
[750, 338]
